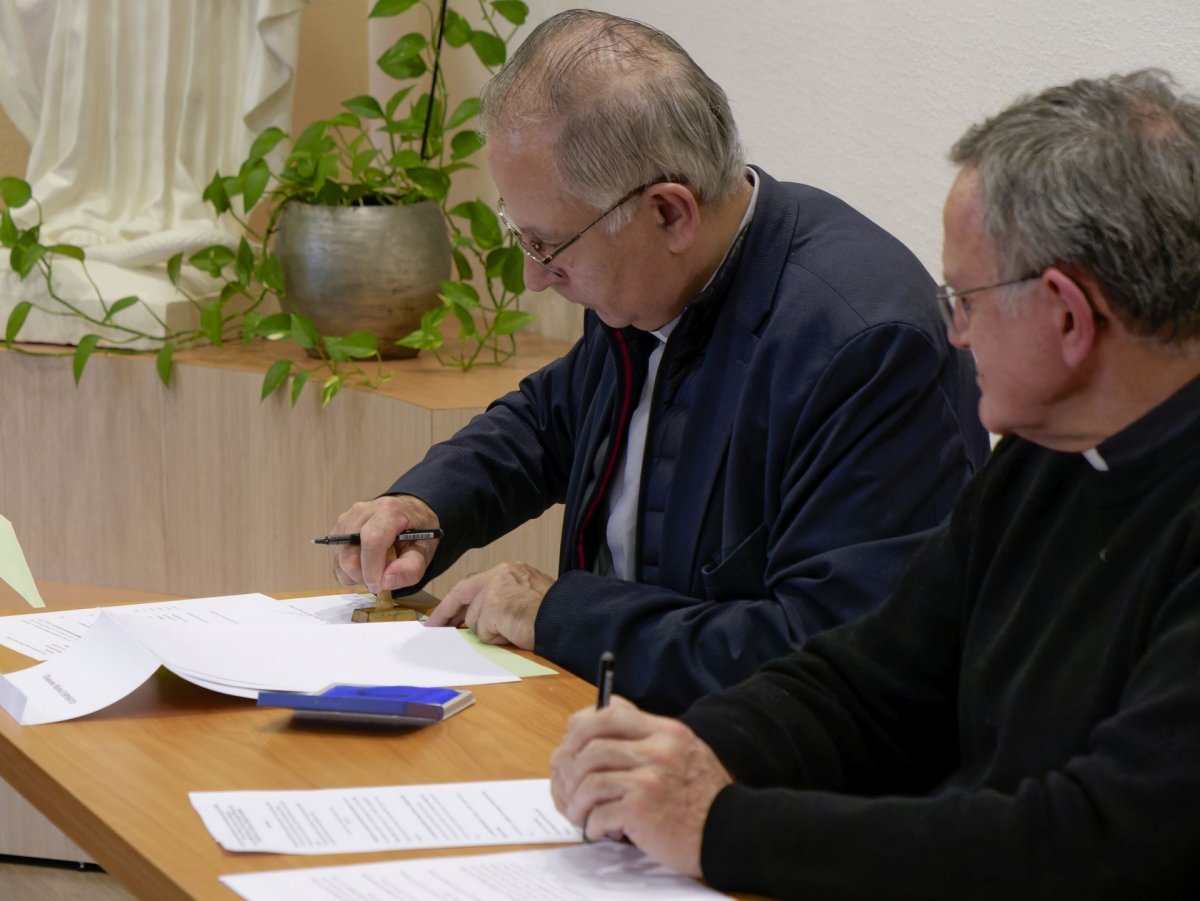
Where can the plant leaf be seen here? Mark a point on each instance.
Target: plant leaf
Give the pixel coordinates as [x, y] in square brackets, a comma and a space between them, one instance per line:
[361, 344]
[364, 105]
[211, 322]
[422, 339]
[117, 306]
[430, 182]
[485, 225]
[174, 268]
[270, 273]
[8, 230]
[462, 264]
[464, 111]
[386, 8]
[244, 264]
[266, 142]
[458, 30]
[397, 99]
[489, 48]
[24, 257]
[83, 350]
[15, 192]
[512, 276]
[66, 250]
[460, 295]
[212, 259]
[16, 319]
[403, 59]
[332, 385]
[303, 332]
[466, 324]
[509, 321]
[275, 377]
[254, 183]
[513, 10]
[164, 363]
[277, 325]
[215, 194]
[298, 382]
[465, 143]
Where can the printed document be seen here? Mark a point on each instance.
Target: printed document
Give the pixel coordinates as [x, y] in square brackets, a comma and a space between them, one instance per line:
[385, 818]
[597, 872]
[42, 635]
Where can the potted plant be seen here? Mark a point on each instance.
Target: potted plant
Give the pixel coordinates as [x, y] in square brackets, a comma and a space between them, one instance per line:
[393, 156]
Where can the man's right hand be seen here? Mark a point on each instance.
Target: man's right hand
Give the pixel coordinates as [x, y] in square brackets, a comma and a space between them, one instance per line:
[378, 522]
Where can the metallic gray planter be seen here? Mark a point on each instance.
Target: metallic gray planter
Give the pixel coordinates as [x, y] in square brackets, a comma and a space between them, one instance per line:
[372, 269]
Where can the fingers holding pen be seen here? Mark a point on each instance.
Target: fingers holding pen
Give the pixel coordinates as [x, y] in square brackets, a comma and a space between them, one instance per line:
[620, 771]
[378, 560]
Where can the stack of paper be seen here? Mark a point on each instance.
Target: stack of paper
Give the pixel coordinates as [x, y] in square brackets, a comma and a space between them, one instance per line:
[238, 645]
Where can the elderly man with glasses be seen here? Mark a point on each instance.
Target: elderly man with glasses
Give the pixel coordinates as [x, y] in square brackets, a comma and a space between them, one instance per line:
[1021, 719]
[761, 420]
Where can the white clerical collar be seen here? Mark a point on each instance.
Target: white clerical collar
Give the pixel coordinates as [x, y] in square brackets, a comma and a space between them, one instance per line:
[1092, 455]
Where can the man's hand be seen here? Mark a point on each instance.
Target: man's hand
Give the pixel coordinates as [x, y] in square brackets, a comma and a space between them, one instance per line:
[378, 522]
[500, 605]
[620, 771]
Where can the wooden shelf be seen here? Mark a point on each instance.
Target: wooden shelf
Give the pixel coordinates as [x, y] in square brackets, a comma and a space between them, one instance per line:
[203, 488]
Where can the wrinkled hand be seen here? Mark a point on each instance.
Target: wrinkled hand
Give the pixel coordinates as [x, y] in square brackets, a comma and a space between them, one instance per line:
[500, 605]
[378, 522]
[620, 771]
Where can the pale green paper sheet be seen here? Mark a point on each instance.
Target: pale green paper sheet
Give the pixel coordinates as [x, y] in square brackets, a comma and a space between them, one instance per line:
[13, 568]
[514, 663]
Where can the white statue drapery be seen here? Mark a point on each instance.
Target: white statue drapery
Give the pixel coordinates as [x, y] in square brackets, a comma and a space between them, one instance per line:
[130, 107]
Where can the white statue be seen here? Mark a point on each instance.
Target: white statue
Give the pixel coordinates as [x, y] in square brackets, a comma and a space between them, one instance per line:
[130, 107]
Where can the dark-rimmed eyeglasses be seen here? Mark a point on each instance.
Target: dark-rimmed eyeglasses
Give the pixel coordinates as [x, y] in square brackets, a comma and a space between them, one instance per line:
[538, 252]
[956, 308]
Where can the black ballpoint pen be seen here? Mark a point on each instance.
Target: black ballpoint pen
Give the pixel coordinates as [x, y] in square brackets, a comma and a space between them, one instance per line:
[604, 684]
[604, 679]
[412, 535]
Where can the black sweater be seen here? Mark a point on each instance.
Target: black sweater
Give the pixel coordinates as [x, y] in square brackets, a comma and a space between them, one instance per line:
[1020, 720]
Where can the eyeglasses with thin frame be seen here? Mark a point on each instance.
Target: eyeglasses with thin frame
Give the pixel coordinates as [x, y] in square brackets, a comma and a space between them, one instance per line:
[537, 252]
[955, 307]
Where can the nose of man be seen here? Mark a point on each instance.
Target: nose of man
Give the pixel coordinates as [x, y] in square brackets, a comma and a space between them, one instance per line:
[538, 277]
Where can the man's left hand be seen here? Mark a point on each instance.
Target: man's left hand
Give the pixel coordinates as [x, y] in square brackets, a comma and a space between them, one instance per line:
[620, 771]
[500, 605]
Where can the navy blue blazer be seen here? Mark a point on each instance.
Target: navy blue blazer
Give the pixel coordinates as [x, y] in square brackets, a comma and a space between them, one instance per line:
[812, 426]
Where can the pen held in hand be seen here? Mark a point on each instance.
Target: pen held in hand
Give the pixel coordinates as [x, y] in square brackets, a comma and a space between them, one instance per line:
[412, 535]
[604, 680]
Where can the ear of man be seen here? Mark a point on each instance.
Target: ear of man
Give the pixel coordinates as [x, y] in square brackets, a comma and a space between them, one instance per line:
[1079, 300]
[677, 214]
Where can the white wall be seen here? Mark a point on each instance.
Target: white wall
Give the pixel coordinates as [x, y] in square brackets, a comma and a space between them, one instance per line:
[864, 97]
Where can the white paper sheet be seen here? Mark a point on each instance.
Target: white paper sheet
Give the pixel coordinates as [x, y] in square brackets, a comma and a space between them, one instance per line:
[93, 673]
[42, 635]
[385, 818]
[297, 654]
[598, 872]
[311, 658]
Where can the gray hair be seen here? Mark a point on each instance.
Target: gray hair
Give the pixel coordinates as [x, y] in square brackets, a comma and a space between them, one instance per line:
[1103, 174]
[629, 105]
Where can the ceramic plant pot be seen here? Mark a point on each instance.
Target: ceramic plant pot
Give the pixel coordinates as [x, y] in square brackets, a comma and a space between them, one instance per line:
[365, 268]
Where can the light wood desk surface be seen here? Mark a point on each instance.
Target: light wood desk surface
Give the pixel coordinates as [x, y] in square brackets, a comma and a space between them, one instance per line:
[116, 782]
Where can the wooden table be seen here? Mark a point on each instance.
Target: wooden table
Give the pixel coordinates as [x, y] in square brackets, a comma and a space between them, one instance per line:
[116, 782]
